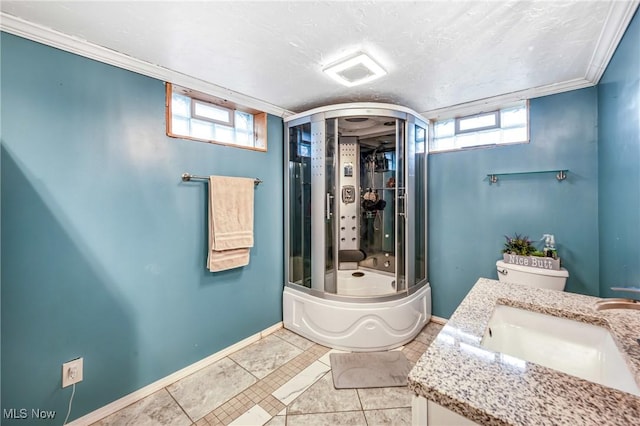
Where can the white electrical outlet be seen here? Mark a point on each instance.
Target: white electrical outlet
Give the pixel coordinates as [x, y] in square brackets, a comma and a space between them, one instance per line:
[71, 372]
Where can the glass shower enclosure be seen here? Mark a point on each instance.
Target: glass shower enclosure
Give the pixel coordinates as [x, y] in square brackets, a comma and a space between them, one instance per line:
[356, 233]
[356, 194]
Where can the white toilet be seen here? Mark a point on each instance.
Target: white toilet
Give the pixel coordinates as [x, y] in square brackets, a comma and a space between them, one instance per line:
[531, 276]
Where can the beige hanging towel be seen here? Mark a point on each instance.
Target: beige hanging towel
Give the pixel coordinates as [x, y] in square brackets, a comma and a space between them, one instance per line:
[230, 222]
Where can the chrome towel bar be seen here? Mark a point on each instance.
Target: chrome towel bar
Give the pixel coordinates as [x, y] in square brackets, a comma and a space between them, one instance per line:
[186, 177]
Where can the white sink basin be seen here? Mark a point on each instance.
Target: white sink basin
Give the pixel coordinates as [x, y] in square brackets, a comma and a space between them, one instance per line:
[583, 350]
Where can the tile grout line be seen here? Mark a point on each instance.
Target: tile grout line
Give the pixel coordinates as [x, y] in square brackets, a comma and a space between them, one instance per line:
[226, 402]
[361, 406]
[285, 340]
[179, 405]
[238, 364]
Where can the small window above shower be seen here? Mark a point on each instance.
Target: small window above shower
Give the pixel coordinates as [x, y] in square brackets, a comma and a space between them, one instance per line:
[503, 126]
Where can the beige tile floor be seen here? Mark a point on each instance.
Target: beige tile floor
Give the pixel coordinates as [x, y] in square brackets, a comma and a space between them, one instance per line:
[282, 379]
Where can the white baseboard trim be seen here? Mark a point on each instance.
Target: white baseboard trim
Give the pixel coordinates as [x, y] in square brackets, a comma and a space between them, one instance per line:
[135, 396]
[438, 320]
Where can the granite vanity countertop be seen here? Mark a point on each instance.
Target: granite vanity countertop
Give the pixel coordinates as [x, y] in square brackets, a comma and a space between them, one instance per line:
[489, 388]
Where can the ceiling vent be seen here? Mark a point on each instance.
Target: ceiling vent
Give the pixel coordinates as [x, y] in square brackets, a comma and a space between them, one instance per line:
[355, 70]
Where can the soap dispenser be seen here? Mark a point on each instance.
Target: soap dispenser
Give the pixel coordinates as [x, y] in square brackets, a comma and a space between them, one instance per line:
[550, 246]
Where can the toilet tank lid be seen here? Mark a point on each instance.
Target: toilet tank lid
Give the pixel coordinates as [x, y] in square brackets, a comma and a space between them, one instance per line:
[531, 270]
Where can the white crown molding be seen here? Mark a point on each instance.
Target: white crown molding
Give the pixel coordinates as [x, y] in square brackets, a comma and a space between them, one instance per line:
[38, 33]
[497, 102]
[618, 19]
[616, 23]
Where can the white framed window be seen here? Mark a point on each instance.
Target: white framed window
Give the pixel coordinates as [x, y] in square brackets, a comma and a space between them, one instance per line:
[504, 126]
[209, 112]
[474, 123]
[197, 116]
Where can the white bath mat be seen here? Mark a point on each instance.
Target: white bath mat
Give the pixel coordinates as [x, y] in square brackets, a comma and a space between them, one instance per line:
[369, 370]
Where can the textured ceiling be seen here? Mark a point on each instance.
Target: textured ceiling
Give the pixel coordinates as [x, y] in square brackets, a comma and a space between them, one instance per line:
[437, 54]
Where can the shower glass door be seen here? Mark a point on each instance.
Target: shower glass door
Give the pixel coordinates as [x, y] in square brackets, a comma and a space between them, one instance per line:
[401, 207]
[331, 246]
[365, 202]
[300, 204]
[420, 206]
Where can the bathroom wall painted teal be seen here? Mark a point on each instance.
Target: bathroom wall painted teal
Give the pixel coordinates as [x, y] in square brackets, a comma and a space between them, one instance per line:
[468, 217]
[619, 165]
[103, 246]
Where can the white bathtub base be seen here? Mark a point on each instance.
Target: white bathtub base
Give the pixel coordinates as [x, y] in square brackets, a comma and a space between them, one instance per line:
[354, 326]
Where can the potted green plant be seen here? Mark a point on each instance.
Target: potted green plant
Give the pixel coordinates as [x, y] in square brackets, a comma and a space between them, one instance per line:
[520, 250]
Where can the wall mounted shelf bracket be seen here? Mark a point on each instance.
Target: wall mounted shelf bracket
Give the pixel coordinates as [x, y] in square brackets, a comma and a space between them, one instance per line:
[560, 174]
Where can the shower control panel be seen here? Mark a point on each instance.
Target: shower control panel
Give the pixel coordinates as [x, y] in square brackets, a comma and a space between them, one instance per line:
[348, 194]
[349, 205]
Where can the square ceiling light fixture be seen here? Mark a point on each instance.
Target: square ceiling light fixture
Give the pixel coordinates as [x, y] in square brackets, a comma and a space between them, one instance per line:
[355, 70]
